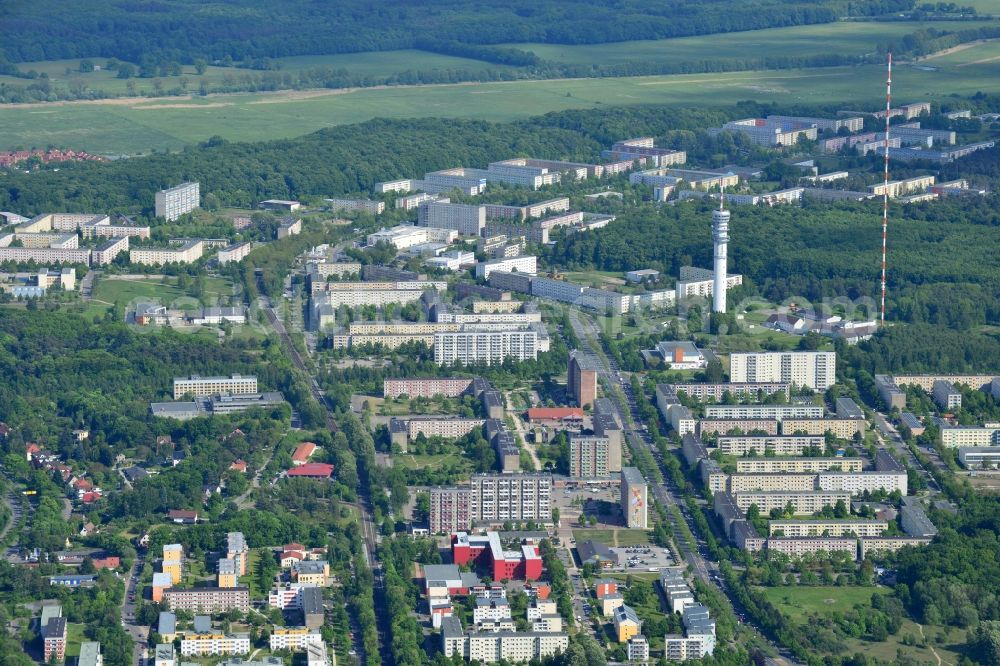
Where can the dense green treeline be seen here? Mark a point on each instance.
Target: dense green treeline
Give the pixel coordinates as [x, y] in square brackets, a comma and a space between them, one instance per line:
[941, 269]
[239, 29]
[62, 372]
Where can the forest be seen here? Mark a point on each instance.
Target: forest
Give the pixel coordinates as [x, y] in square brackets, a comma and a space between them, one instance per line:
[241, 29]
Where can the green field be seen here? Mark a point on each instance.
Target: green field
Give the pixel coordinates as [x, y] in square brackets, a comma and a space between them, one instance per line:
[843, 38]
[798, 603]
[111, 291]
[613, 537]
[130, 128]
[376, 65]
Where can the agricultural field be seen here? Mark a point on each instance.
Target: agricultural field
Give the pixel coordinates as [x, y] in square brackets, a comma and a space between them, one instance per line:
[848, 38]
[65, 74]
[134, 127]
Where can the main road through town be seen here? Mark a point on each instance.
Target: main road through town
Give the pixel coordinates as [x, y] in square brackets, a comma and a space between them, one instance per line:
[364, 504]
[666, 494]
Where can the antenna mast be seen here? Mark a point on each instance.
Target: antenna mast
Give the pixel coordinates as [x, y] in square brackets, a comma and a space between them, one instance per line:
[885, 183]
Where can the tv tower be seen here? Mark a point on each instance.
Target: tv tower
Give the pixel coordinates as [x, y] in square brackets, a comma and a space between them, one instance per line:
[885, 184]
[720, 243]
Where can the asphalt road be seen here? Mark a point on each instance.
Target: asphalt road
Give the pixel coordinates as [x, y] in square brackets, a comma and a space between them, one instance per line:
[138, 633]
[589, 335]
[364, 503]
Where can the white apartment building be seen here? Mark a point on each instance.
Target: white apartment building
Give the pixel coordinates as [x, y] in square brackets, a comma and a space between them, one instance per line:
[187, 253]
[539, 608]
[764, 133]
[357, 205]
[740, 483]
[876, 545]
[401, 185]
[804, 503]
[234, 253]
[946, 395]
[497, 498]
[487, 610]
[697, 282]
[199, 645]
[198, 386]
[831, 528]
[788, 445]
[489, 347]
[45, 255]
[680, 648]
[448, 428]
[400, 237]
[466, 219]
[525, 264]
[797, 465]
[488, 648]
[812, 369]
[968, 436]
[898, 188]
[176, 201]
[294, 639]
[797, 547]
[776, 412]
[857, 483]
[108, 250]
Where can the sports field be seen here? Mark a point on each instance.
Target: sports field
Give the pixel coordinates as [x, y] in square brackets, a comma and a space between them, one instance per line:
[132, 127]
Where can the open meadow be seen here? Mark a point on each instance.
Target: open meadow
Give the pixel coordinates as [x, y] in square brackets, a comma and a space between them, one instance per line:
[846, 38]
[139, 126]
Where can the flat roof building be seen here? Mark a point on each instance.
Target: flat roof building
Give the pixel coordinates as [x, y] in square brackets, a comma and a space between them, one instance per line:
[176, 201]
[634, 498]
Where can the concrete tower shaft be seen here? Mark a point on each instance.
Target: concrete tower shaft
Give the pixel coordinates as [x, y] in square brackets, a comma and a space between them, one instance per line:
[720, 242]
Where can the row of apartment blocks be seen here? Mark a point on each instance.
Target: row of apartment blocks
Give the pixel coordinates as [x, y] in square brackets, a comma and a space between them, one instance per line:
[699, 639]
[796, 538]
[569, 292]
[527, 172]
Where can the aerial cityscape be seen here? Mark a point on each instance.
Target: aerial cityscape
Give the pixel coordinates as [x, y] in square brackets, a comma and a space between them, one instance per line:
[565, 333]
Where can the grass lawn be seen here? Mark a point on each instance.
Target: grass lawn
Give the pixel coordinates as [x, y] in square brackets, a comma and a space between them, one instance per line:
[800, 602]
[112, 291]
[797, 602]
[411, 461]
[613, 537]
[138, 127]
[74, 636]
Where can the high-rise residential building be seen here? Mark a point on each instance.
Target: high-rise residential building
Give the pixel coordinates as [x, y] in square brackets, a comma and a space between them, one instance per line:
[466, 219]
[581, 379]
[472, 347]
[946, 395]
[811, 369]
[237, 550]
[593, 457]
[635, 504]
[491, 498]
[176, 201]
[54, 639]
